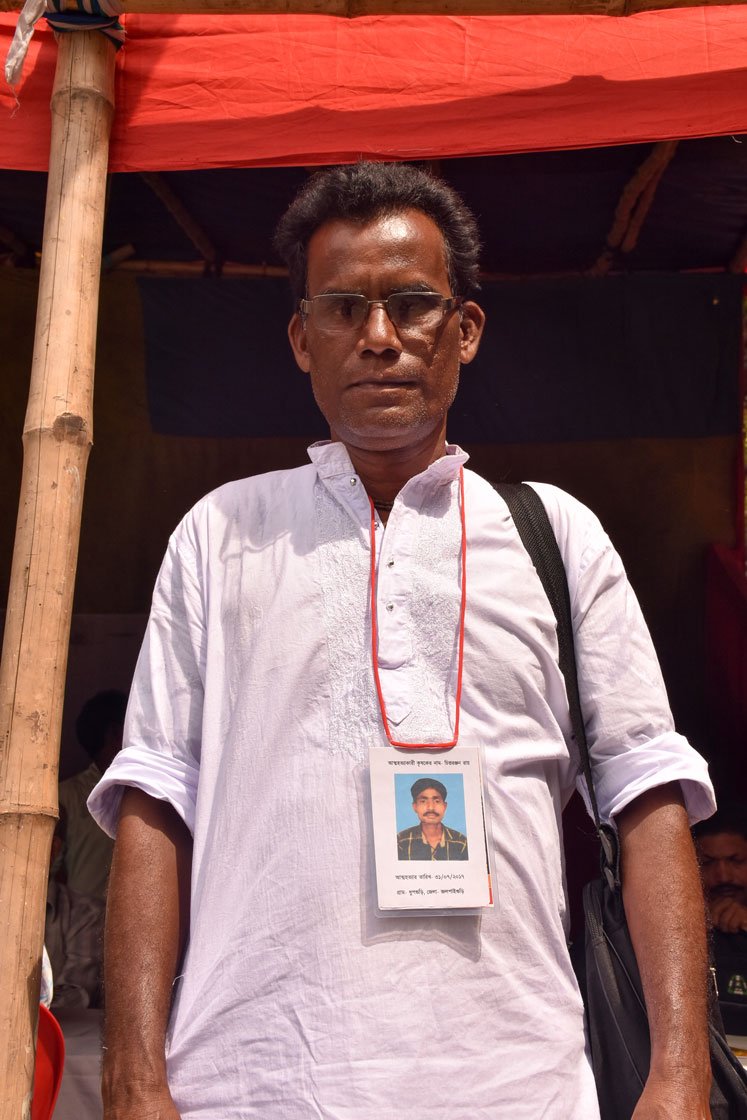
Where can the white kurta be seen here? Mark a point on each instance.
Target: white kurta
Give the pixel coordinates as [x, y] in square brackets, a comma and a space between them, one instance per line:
[252, 710]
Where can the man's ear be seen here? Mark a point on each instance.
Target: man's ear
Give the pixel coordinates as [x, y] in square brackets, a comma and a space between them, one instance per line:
[471, 326]
[299, 343]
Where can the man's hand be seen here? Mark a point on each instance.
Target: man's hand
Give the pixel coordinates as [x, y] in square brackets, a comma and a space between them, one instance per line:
[667, 1100]
[727, 914]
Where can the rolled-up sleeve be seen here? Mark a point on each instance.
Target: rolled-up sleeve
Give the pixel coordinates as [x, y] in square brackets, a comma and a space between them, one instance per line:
[163, 726]
[634, 746]
[630, 732]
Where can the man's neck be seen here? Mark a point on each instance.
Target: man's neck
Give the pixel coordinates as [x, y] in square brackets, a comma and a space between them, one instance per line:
[384, 473]
[432, 833]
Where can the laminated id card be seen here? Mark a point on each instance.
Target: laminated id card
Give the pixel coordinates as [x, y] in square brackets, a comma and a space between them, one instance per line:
[429, 830]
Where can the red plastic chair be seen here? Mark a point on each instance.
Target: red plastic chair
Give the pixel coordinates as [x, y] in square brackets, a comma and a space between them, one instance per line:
[50, 1059]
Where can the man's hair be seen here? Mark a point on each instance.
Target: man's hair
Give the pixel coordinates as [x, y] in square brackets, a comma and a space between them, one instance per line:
[102, 711]
[427, 783]
[730, 818]
[361, 192]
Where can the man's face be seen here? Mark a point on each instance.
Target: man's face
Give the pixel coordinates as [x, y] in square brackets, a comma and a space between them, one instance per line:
[723, 859]
[429, 806]
[379, 389]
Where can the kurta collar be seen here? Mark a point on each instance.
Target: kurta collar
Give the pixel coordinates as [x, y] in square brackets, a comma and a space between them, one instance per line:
[332, 460]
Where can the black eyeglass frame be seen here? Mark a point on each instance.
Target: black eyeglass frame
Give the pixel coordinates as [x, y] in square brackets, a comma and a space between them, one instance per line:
[447, 305]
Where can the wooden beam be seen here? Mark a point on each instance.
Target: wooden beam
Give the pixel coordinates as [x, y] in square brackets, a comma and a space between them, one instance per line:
[229, 269]
[233, 270]
[633, 206]
[56, 440]
[663, 155]
[349, 9]
[181, 216]
[117, 256]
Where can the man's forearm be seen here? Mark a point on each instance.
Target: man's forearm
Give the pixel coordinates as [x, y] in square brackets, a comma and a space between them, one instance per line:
[147, 920]
[666, 916]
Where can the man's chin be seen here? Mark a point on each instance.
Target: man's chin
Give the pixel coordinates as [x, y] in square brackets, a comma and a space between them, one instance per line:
[388, 430]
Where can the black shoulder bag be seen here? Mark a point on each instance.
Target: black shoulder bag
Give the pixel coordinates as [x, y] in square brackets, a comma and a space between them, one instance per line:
[616, 1016]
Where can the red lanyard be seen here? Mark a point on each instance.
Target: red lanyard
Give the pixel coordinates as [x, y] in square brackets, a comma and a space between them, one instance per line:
[375, 635]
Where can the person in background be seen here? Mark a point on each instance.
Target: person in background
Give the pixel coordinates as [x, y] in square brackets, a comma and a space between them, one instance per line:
[87, 851]
[73, 937]
[721, 842]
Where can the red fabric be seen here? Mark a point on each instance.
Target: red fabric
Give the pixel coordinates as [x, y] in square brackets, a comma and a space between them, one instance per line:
[216, 91]
[50, 1060]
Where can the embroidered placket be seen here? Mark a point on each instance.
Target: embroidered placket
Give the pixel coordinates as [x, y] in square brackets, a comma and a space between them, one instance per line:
[375, 634]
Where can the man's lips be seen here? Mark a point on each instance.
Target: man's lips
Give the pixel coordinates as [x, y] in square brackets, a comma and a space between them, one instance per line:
[383, 383]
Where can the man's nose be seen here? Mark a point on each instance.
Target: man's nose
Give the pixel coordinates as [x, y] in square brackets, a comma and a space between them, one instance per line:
[716, 873]
[378, 332]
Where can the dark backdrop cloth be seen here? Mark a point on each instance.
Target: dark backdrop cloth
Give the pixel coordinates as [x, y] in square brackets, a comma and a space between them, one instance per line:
[562, 360]
[726, 662]
[662, 500]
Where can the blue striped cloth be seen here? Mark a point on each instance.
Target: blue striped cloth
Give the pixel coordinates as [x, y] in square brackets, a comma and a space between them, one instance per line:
[88, 15]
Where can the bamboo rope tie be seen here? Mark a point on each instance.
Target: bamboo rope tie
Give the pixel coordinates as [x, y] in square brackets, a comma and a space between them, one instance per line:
[62, 16]
[87, 15]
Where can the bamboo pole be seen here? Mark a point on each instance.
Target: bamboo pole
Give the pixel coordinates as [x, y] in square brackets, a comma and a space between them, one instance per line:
[56, 442]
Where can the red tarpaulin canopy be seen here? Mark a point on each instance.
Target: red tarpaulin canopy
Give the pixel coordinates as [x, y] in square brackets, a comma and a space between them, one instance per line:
[220, 91]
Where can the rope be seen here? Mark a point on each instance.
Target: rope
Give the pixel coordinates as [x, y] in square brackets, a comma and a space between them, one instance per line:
[87, 15]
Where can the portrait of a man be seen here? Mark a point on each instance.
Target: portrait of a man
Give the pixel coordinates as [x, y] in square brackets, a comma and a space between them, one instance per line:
[430, 838]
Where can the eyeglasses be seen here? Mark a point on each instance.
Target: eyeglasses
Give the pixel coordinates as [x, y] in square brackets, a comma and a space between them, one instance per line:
[409, 312]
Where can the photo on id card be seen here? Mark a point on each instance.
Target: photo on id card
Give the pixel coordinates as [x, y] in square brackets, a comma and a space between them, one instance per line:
[429, 830]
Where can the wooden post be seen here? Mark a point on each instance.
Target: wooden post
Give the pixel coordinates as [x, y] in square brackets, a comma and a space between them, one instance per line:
[56, 442]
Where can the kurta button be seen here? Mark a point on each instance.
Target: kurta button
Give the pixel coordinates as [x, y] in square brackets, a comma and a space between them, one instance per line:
[353, 481]
[390, 563]
[390, 606]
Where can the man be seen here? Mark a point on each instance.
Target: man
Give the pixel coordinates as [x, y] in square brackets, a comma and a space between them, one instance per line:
[722, 848]
[431, 838]
[264, 680]
[87, 852]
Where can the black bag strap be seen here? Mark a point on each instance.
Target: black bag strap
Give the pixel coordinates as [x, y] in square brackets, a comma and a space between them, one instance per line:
[537, 536]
